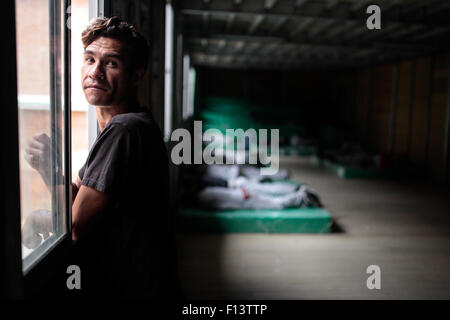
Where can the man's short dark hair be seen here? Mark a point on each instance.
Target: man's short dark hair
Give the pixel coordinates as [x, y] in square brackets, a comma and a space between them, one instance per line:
[118, 29]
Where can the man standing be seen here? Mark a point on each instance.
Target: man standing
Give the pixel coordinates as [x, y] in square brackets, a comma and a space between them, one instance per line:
[120, 223]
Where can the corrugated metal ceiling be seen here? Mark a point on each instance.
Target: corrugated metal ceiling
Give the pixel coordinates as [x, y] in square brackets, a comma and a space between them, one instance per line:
[297, 33]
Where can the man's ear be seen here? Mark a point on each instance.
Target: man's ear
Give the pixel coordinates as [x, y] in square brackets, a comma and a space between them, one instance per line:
[138, 74]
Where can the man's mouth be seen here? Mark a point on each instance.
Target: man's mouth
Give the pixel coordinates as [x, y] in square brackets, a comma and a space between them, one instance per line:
[96, 87]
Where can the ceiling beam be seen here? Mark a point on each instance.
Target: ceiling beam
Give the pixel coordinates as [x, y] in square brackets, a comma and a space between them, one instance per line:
[304, 59]
[205, 22]
[443, 6]
[405, 31]
[259, 57]
[352, 34]
[391, 45]
[336, 31]
[321, 27]
[256, 23]
[269, 4]
[286, 50]
[278, 24]
[263, 48]
[373, 34]
[303, 15]
[300, 3]
[358, 5]
[301, 26]
[331, 4]
[431, 33]
[261, 61]
[230, 20]
[390, 4]
[412, 7]
[270, 48]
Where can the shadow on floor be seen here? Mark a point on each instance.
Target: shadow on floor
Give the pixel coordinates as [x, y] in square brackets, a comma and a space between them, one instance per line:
[336, 228]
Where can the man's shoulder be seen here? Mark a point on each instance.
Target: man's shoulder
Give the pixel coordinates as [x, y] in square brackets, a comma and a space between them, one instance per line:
[135, 121]
[133, 118]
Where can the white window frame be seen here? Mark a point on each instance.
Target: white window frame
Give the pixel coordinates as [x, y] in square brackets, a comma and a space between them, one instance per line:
[186, 67]
[191, 91]
[168, 83]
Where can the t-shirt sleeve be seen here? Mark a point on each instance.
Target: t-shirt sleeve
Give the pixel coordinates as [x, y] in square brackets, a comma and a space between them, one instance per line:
[106, 165]
[81, 171]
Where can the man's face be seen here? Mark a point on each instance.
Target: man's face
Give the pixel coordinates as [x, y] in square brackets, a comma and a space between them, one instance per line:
[104, 74]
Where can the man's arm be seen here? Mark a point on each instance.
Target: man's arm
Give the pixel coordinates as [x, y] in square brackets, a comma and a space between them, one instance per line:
[87, 203]
[75, 187]
[87, 206]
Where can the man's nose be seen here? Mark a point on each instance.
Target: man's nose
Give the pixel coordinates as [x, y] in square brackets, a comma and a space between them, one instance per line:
[97, 71]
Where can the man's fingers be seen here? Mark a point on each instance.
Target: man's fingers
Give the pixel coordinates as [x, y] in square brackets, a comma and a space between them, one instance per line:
[33, 143]
[42, 137]
[38, 153]
[34, 157]
[33, 161]
[39, 141]
[29, 158]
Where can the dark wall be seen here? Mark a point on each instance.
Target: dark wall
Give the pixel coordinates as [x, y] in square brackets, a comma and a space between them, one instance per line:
[418, 111]
[320, 95]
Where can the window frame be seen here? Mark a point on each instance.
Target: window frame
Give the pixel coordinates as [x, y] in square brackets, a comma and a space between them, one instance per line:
[11, 284]
[45, 278]
[60, 34]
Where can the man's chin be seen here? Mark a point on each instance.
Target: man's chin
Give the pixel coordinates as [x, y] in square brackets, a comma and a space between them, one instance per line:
[97, 102]
[95, 98]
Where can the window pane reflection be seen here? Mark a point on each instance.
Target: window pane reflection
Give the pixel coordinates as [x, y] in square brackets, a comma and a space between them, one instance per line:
[39, 32]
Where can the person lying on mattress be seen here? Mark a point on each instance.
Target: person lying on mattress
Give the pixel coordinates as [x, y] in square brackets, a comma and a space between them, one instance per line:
[221, 187]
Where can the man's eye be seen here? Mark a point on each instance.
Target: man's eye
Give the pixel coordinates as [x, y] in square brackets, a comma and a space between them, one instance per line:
[111, 64]
[89, 59]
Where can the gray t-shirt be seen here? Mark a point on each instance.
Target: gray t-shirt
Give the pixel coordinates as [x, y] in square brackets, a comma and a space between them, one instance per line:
[125, 251]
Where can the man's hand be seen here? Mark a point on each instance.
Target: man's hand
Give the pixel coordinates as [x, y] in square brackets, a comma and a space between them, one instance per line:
[37, 154]
[37, 222]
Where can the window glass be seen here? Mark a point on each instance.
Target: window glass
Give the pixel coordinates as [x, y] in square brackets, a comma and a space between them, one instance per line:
[186, 66]
[40, 43]
[168, 73]
[191, 92]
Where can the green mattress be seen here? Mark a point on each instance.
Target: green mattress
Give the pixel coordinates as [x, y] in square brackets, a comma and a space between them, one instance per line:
[292, 220]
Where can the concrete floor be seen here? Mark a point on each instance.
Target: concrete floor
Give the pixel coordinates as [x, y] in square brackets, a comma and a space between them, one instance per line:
[402, 227]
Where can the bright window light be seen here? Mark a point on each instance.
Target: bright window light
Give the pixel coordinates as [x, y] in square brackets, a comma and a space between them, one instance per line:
[168, 73]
